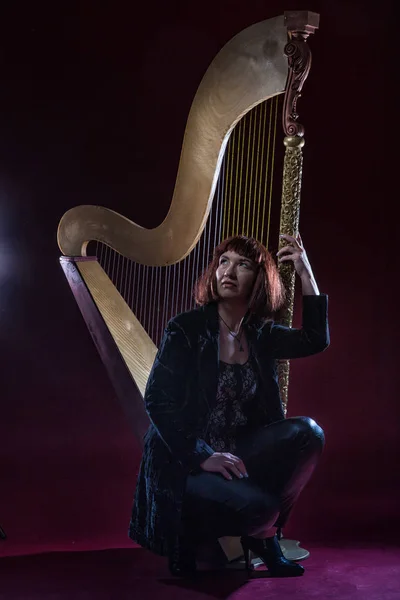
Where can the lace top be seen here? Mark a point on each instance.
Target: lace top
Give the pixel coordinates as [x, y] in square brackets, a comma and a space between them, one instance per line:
[237, 386]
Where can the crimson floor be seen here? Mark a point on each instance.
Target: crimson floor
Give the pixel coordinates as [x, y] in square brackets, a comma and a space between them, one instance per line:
[134, 574]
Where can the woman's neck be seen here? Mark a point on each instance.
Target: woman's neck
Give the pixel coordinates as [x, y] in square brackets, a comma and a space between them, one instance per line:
[232, 312]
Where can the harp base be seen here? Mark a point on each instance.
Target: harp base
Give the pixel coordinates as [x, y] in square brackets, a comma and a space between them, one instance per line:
[292, 551]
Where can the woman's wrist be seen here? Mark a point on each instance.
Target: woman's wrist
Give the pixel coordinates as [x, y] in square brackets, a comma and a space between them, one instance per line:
[309, 286]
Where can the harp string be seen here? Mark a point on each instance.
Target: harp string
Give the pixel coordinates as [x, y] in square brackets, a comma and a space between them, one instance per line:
[158, 281]
[250, 192]
[232, 184]
[246, 184]
[262, 172]
[227, 197]
[273, 146]
[238, 182]
[241, 171]
[254, 231]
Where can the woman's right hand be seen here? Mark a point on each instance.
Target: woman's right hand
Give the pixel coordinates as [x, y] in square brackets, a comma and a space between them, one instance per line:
[225, 463]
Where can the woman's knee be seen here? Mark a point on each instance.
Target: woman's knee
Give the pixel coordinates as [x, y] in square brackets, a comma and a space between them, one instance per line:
[308, 429]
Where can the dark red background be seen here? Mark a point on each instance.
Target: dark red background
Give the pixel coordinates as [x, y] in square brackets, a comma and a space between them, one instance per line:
[93, 107]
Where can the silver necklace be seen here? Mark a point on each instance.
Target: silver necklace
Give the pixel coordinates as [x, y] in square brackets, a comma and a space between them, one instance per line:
[235, 334]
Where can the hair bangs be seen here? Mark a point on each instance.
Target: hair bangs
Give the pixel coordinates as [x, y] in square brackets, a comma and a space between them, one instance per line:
[245, 246]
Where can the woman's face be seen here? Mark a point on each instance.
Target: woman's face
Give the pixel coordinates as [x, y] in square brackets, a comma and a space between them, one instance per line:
[235, 276]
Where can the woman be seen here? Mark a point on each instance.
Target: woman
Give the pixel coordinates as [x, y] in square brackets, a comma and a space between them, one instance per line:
[220, 459]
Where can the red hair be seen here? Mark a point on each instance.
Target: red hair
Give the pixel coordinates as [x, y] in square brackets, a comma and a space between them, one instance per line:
[268, 294]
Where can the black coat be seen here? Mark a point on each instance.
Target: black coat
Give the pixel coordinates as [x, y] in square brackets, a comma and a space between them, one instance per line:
[180, 394]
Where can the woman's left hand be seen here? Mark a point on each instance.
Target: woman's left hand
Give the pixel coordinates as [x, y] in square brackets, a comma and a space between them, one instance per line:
[295, 252]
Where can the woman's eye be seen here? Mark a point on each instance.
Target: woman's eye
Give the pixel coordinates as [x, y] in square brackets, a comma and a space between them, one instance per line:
[223, 261]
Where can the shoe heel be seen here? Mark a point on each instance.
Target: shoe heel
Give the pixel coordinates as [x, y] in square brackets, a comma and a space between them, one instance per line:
[246, 554]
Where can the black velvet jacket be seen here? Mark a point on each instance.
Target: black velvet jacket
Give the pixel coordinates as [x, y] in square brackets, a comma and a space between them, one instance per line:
[180, 394]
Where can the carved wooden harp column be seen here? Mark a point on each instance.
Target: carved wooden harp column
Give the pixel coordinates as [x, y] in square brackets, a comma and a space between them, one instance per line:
[299, 58]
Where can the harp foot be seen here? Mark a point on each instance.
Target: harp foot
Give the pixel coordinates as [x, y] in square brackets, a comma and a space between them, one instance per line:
[292, 550]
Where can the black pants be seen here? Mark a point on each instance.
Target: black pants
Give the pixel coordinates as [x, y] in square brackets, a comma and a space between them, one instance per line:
[279, 458]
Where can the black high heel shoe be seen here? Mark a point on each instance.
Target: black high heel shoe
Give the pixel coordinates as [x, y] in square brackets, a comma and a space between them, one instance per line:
[182, 558]
[272, 556]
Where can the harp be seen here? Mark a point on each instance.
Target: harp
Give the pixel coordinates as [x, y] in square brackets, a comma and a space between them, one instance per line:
[129, 281]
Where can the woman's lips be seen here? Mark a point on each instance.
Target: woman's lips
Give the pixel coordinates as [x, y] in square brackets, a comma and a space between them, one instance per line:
[229, 284]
